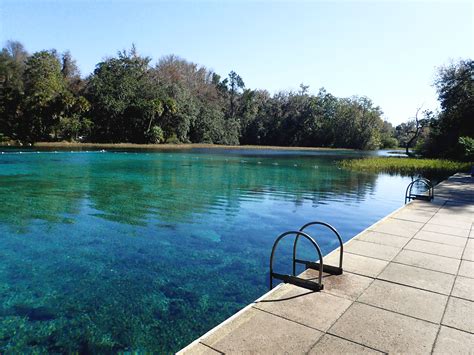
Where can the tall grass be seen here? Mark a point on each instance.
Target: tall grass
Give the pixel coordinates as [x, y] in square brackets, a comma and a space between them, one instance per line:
[405, 165]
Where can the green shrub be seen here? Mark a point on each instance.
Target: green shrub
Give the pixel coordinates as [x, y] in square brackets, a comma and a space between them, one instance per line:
[156, 135]
[467, 147]
[3, 138]
[405, 165]
[173, 139]
[388, 142]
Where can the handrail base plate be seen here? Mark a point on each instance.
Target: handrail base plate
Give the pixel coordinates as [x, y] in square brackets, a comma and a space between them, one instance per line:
[329, 269]
[298, 281]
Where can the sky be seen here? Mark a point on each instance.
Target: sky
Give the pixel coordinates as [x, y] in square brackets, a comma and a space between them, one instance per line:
[388, 51]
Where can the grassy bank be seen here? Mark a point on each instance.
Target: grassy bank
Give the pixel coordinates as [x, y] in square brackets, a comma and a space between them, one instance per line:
[406, 165]
[67, 145]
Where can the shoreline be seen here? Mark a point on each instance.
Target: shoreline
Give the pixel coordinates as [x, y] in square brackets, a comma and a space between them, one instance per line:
[165, 146]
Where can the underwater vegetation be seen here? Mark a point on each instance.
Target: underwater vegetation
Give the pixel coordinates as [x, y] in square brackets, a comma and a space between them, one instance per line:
[136, 251]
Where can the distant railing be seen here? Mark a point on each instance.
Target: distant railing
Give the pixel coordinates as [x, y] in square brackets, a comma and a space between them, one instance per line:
[410, 195]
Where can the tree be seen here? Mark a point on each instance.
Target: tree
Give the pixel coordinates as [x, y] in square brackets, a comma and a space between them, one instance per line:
[43, 84]
[387, 136]
[71, 73]
[455, 88]
[125, 103]
[418, 125]
[235, 84]
[12, 66]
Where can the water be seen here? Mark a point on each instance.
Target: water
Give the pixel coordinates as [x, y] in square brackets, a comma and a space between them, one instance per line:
[109, 251]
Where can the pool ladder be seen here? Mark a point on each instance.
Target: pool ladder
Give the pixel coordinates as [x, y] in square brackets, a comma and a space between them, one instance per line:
[410, 195]
[318, 265]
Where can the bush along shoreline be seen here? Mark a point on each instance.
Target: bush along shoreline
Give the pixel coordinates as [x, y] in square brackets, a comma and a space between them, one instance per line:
[406, 166]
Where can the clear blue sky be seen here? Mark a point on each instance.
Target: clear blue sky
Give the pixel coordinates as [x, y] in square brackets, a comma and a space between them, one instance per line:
[387, 51]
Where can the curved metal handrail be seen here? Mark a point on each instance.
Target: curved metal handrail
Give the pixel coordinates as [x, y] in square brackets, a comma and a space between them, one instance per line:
[408, 192]
[312, 241]
[334, 230]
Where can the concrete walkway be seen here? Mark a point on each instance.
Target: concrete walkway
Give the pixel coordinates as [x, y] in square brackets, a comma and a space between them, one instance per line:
[407, 287]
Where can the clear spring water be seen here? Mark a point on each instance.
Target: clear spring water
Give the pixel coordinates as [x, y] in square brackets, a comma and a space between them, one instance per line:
[110, 251]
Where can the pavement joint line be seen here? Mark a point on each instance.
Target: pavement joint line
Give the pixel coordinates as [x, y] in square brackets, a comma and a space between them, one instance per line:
[461, 330]
[419, 251]
[349, 340]
[348, 252]
[461, 298]
[449, 225]
[210, 347]
[427, 240]
[414, 287]
[452, 235]
[376, 231]
[401, 314]
[288, 319]
[430, 241]
[421, 267]
[407, 220]
[387, 245]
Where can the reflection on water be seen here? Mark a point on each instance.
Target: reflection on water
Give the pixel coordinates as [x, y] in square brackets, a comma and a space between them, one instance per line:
[147, 250]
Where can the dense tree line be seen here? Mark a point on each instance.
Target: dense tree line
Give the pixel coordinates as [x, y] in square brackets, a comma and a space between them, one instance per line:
[450, 132]
[126, 99]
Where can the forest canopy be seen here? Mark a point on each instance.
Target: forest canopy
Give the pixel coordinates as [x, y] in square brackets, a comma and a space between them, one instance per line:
[127, 99]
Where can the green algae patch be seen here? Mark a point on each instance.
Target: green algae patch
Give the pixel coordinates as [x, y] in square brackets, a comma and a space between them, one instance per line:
[405, 165]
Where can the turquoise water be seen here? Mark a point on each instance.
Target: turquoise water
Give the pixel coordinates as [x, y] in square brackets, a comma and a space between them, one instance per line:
[145, 251]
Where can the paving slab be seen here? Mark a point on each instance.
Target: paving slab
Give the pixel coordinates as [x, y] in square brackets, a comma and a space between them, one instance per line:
[422, 304]
[428, 261]
[257, 332]
[383, 238]
[464, 288]
[347, 285]
[358, 264]
[397, 227]
[450, 222]
[466, 269]
[372, 250]
[384, 330]
[424, 246]
[446, 230]
[459, 314]
[330, 344]
[441, 238]
[420, 278]
[433, 205]
[414, 215]
[453, 341]
[458, 206]
[318, 310]
[456, 215]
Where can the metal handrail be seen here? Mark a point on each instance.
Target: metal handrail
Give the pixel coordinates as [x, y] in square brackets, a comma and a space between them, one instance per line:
[286, 277]
[334, 230]
[408, 192]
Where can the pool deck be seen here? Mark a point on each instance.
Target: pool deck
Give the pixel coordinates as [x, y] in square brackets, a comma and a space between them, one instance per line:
[407, 287]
